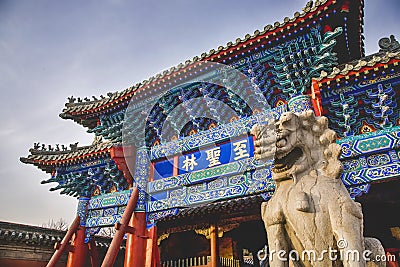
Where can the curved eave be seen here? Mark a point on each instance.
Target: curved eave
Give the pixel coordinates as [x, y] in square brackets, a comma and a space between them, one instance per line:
[89, 121]
[365, 65]
[84, 113]
[48, 161]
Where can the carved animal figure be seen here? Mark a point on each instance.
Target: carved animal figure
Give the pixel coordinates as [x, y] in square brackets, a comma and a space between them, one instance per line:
[311, 210]
[74, 147]
[389, 44]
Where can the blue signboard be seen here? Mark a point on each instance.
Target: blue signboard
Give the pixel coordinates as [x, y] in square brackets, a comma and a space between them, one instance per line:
[214, 156]
[208, 157]
[163, 169]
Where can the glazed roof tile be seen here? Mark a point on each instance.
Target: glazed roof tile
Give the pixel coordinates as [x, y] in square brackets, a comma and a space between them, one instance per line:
[73, 110]
[30, 235]
[357, 65]
[38, 236]
[47, 160]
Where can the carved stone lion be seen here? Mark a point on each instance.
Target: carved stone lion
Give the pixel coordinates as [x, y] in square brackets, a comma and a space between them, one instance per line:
[311, 210]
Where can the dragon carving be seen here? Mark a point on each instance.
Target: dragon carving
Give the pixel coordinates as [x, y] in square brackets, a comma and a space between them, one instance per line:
[311, 209]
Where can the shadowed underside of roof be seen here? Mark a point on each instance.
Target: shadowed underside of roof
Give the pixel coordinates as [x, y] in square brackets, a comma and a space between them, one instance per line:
[200, 216]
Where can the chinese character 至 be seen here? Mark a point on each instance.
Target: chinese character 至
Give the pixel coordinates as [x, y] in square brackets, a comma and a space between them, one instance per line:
[240, 150]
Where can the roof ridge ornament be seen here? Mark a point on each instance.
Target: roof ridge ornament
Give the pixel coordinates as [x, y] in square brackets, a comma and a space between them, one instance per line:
[49, 148]
[74, 147]
[389, 44]
[98, 139]
[308, 6]
[71, 99]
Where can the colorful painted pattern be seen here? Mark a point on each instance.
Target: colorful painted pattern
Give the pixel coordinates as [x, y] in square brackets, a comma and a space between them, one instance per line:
[370, 157]
[106, 210]
[358, 190]
[141, 177]
[299, 103]
[280, 72]
[372, 168]
[215, 135]
[220, 188]
[365, 105]
[83, 180]
[366, 158]
[374, 142]
[82, 210]
[110, 200]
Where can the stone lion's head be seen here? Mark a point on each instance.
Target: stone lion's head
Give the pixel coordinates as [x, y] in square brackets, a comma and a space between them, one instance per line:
[303, 143]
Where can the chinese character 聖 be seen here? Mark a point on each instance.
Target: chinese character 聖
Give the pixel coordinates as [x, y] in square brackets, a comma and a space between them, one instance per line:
[213, 156]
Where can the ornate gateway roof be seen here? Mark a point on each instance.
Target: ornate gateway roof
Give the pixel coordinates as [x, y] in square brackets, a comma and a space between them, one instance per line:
[328, 13]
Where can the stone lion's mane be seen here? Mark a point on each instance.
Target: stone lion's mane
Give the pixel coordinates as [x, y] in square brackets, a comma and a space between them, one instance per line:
[331, 165]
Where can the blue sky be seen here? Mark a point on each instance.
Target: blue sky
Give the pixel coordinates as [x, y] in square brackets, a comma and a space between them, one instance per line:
[50, 50]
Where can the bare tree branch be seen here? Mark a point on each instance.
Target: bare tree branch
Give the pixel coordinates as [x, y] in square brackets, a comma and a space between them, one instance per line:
[60, 224]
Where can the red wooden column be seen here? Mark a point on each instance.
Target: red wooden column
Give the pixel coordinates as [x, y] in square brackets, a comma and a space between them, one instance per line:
[214, 245]
[152, 253]
[122, 228]
[94, 253]
[136, 242]
[120, 155]
[176, 166]
[316, 98]
[79, 254]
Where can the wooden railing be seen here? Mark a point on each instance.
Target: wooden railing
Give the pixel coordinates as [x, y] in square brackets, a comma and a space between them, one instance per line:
[203, 261]
[195, 261]
[227, 262]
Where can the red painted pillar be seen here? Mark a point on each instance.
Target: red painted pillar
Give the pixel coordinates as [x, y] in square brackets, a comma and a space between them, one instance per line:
[136, 243]
[122, 228]
[78, 256]
[121, 155]
[94, 253]
[214, 245]
[152, 253]
[316, 98]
